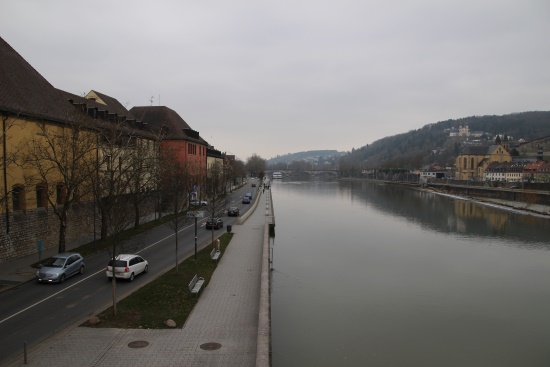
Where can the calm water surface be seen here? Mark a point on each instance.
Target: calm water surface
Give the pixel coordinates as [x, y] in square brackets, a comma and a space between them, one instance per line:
[374, 275]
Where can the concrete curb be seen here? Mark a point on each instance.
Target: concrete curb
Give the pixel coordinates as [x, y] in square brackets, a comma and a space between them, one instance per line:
[263, 347]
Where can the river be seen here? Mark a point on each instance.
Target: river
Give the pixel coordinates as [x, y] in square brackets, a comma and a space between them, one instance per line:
[367, 274]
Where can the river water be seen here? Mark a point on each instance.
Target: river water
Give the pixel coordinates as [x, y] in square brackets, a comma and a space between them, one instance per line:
[366, 274]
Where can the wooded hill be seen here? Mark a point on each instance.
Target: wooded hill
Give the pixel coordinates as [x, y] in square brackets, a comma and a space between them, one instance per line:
[432, 144]
[314, 157]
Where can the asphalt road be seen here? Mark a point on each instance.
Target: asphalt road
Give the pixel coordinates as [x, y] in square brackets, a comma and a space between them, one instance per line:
[34, 312]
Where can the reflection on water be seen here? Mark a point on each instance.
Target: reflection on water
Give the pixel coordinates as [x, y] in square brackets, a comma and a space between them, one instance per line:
[468, 218]
[378, 275]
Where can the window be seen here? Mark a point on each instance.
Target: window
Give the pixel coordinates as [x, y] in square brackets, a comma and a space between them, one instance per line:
[472, 164]
[61, 194]
[18, 197]
[41, 195]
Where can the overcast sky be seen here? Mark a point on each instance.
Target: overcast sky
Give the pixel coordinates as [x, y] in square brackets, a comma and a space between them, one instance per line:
[277, 77]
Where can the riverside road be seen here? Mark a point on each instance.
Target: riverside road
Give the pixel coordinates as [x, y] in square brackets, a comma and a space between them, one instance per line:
[31, 312]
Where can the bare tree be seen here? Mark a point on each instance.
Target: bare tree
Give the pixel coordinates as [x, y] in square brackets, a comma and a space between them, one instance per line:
[214, 189]
[9, 157]
[177, 179]
[143, 176]
[116, 170]
[255, 165]
[61, 161]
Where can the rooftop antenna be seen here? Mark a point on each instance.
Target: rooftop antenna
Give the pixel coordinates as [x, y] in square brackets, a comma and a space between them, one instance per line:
[151, 100]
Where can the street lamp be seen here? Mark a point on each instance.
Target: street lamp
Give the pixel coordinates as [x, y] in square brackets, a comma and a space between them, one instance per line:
[195, 214]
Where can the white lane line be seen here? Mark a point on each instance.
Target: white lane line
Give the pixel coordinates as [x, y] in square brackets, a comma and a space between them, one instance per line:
[80, 281]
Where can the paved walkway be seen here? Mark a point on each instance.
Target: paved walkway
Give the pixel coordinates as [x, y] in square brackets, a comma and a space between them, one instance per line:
[222, 330]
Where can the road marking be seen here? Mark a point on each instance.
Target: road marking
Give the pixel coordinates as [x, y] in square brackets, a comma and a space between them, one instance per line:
[88, 277]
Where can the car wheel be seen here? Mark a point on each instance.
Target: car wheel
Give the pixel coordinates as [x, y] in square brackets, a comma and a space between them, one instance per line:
[62, 279]
[131, 277]
[109, 279]
[146, 269]
[81, 271]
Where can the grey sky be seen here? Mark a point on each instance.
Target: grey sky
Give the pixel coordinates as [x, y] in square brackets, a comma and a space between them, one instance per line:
[277, 77]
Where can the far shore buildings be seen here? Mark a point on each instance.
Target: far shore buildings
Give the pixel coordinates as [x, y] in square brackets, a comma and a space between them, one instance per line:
[474, 160]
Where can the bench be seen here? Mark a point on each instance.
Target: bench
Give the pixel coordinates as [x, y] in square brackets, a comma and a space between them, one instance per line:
[195, 285]
[215, 254]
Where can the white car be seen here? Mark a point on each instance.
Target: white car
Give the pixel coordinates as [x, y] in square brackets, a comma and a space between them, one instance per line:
[127, 266]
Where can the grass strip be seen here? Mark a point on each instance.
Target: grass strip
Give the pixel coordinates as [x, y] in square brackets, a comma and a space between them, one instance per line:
[167, 297]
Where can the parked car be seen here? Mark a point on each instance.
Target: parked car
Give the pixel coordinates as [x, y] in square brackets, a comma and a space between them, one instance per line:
[199, 203]
[127, 266]
[233, 211]
[217, 223]
[246, 200]
[60, 267]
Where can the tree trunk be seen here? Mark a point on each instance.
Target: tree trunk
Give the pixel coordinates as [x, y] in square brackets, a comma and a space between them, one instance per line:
[63, 228]
[104, 226]
[62, 235]
[136, 213]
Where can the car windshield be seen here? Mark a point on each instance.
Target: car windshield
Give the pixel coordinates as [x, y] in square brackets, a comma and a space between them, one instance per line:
[55, 262]
[118, 263]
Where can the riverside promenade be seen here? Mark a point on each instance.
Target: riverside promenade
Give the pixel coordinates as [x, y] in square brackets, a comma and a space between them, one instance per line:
[229, 325]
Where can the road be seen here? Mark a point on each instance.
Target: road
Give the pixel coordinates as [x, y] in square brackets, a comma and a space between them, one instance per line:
[33, 312]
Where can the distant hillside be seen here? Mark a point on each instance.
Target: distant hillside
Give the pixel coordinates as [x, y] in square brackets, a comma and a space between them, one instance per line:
[312, 158]
[435, 144]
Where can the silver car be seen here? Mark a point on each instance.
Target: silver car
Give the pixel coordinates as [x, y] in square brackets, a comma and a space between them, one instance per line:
[60, 267]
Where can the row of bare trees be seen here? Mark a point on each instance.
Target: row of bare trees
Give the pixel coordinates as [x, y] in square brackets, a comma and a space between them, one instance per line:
[114, 166]
[106, 163]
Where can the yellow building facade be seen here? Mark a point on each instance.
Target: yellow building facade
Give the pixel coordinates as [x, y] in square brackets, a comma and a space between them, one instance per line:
[473, 160]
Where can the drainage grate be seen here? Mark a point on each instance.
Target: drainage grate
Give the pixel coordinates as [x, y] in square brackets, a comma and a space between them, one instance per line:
[211, 346]
[138, 344]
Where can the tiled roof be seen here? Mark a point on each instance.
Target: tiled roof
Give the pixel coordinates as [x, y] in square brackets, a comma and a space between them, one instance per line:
[126, 122]
[113, 105]
[23, 90]
[173, 126]
[479, 149]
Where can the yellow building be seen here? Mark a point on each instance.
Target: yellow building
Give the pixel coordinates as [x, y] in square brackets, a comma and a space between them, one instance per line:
[473, 160]
[36, 189]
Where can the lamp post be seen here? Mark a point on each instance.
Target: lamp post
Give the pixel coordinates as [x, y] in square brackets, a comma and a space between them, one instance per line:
[195, 214]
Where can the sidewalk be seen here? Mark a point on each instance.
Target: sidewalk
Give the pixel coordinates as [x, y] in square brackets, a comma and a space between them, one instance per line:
[222, 330]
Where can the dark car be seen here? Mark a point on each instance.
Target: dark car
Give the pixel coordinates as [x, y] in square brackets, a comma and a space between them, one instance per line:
[215, 223]
[233, 211]
[246, 200]
[253, 185]
[60, 267]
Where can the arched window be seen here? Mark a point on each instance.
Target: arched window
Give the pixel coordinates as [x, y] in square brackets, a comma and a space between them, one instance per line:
[41, 195]
[472, 164]
[18, 197]
[465, 165]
